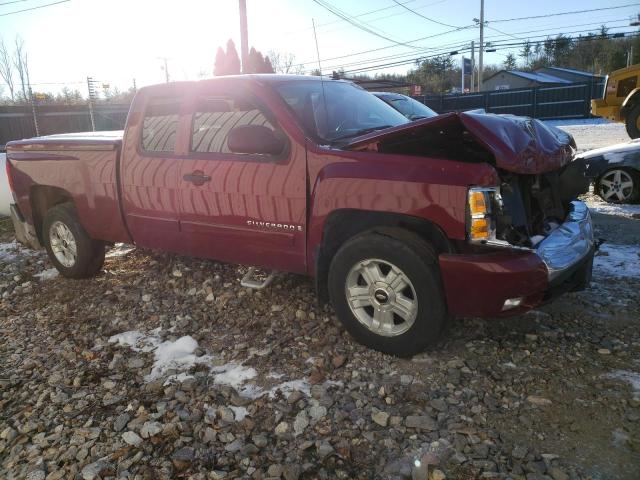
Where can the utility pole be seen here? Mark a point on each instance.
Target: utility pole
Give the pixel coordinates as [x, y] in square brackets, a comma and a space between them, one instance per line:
[92, 94]
[630, 56]
[480, 64]
[135, 88]
[166, 68]
[462, 79]
[473, 65]
[33, 112]
[244, 36]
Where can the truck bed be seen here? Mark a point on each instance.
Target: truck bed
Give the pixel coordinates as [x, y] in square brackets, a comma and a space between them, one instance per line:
[81, 166]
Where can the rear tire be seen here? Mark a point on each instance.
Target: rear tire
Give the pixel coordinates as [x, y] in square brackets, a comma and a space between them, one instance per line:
[375, 274]
[631, 122]
[71, 250]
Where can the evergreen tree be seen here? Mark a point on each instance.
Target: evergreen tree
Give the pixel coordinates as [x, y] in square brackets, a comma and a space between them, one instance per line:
[510, 62]
[220, 67]
[233, 60]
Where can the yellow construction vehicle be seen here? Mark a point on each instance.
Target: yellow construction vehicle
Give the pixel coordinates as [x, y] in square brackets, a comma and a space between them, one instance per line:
[621, 99]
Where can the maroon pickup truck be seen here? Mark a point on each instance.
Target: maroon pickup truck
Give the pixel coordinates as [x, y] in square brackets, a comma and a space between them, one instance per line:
[401, 224]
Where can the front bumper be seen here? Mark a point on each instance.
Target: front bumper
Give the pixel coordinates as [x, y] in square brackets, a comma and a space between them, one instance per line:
[479, 284]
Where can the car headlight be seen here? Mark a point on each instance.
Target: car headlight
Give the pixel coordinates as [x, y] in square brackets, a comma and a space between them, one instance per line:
[481, 221]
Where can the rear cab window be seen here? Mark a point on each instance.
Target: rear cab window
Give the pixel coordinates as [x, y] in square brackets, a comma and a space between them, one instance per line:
[160, 125]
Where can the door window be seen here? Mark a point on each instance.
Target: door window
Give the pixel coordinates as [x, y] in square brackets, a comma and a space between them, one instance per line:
[160, 125]
[214, 118]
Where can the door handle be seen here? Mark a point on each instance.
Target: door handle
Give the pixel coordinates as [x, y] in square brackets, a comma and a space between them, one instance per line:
[198, 178]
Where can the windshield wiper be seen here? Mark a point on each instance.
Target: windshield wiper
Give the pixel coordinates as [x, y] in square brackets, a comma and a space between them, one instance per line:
[362, 131]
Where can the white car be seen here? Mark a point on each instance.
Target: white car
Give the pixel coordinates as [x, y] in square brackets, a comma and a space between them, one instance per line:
[5, 192]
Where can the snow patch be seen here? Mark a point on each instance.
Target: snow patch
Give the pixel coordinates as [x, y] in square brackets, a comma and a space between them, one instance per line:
[172, 359]
[302, 385]
[119, 250]
[168, 356]
[48, 274]
[632, 378]
[12, 250]
[233, 375]
[620, 210]
[617, 261]
[239, 412]
[178, 355]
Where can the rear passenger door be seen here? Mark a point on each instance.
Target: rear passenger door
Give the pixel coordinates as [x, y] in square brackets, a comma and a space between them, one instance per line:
[241, 208]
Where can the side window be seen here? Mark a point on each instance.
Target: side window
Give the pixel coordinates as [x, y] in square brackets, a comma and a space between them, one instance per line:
[215, 117]
[626, 85]
[160, 125]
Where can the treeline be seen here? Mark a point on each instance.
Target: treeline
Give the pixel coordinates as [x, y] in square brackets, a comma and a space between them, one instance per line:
[597, 52]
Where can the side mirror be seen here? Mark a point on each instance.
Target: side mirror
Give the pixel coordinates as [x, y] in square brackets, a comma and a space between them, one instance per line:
[255, 139]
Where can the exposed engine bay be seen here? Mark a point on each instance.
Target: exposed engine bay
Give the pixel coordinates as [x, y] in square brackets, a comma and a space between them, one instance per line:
[539, 178]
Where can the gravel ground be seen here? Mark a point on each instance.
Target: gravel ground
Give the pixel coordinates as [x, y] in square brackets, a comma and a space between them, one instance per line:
[165, 367]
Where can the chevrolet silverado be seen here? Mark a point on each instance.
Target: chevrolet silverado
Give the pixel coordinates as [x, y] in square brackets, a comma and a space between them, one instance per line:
[400, 224]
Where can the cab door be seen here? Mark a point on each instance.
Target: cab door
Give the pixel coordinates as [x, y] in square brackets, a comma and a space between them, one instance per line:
[150, 169]
[241, 207]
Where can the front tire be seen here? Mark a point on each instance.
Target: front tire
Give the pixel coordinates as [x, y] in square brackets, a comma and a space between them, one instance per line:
[71, 250]
[387, 292]
[619, 185]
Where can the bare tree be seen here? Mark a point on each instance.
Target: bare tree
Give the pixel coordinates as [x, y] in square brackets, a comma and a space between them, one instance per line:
[6, 68]
[22, 67]
[284, 63]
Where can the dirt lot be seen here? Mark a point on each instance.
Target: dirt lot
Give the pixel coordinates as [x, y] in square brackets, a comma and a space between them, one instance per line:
[164, 367]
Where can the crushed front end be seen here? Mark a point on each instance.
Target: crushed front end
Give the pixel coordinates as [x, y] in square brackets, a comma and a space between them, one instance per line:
[528, 237]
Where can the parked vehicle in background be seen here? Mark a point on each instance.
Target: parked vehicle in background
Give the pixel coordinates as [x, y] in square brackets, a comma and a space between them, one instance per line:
[615, 171]
[407, 106]
[6, 198]
[620, 101]
[400, 223]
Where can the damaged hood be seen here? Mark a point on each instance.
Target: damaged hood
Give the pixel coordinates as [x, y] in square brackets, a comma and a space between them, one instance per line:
[519, 144]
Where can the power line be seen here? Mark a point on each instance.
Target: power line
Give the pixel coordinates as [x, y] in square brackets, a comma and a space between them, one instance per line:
[363, 14]
[422, 16]
[463, 43]
[564, 13]
[388, 46]
[34, 8]
[360, 25]
[462, 50]
[14, 1]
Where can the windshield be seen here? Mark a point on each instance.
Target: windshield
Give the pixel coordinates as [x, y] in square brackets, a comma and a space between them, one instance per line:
[331, 111]
[410, 107]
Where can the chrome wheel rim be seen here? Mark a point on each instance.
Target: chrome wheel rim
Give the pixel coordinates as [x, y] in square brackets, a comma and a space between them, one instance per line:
[63, 244]
[381, 297]
[616, 186]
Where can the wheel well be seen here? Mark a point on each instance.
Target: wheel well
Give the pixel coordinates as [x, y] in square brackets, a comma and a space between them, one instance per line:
[42, 198]
[629, 103]
[345, 224]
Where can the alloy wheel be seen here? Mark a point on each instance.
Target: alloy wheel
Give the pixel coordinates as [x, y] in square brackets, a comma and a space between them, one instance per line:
[381, 297]
[616, 186]
[63, 244]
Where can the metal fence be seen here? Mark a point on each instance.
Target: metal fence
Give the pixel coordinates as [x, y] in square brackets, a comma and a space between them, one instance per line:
[559, 101]
[17, 122]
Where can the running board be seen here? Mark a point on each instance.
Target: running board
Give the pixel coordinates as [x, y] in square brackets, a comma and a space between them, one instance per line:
[249, 282]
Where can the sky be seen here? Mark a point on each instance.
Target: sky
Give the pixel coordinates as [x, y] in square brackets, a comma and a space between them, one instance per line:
[116, 41]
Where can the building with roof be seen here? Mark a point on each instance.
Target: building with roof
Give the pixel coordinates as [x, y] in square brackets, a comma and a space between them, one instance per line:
[546, 76]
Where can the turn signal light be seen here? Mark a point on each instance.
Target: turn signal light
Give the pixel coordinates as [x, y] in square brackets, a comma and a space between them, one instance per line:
[480, 221]
[480, 229]
[477, 203]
